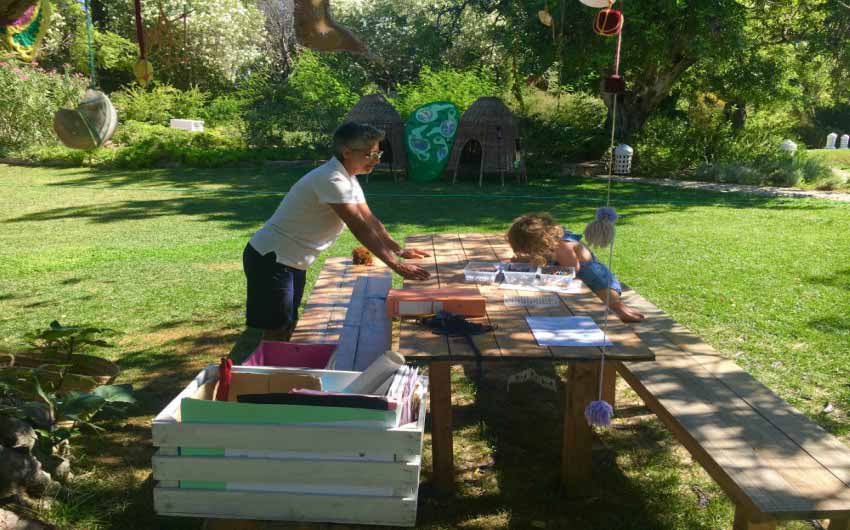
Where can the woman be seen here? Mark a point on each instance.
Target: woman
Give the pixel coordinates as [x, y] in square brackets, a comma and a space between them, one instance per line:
[307, 222]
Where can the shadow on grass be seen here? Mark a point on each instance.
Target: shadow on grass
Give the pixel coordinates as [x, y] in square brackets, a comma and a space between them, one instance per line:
[244, 198]
[524, 427]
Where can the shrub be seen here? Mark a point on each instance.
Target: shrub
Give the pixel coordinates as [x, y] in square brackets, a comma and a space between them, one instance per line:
[460, 87]
[31, 96]
[159, 104]
[569, 128]
[699, 132]
[311, 99]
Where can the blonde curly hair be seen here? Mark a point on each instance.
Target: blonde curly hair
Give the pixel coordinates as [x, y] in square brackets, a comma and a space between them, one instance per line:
[534, 237]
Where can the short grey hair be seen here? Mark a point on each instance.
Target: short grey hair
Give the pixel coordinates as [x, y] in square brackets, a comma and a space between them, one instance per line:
[355, 136]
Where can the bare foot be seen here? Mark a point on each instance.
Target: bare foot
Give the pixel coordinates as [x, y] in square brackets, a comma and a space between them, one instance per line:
[626, 313]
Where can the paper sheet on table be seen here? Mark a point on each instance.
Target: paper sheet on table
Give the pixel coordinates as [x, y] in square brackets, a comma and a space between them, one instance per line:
[566, 331]
[575, 287]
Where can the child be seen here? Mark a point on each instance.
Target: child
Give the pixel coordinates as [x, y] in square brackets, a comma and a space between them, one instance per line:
[537, 238]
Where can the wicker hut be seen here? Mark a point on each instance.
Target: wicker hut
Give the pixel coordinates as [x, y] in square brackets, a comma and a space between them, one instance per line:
[487, 131]
[377, 112]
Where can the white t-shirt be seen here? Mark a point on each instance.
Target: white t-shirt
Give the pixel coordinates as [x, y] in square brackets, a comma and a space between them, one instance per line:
[304, 224]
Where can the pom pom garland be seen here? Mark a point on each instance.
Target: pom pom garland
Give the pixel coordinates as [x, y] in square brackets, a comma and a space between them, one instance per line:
[600, 231]
[599, 413]
[606, 212]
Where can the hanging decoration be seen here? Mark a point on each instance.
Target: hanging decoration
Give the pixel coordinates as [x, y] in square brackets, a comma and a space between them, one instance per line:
[614, 83]
[315, 28]
[600, 232]
[608, 22]
[143, 69]
[92, 123]
[597, 3]
[12, 10]
[544, 16]
[22, 27]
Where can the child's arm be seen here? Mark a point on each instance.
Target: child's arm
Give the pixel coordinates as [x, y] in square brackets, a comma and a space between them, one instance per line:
[566, 256]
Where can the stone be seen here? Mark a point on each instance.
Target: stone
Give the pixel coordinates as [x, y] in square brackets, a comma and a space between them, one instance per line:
[58, 467]
[20, 472]
[16, 434]
[12, 521]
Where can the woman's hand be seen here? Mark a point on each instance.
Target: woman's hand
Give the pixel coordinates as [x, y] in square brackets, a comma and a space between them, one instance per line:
[413, 254]
[410, 272]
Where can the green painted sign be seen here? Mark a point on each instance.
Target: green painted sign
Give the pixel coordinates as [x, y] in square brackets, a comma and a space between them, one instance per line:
[429, 135]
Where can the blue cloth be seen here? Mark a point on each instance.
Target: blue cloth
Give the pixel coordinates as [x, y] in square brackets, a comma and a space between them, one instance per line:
[594, 273]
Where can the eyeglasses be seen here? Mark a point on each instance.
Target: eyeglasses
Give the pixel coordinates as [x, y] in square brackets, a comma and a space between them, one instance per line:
[374, 155]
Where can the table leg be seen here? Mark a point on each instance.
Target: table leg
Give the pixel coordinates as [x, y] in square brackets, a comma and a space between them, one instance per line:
[609, 383]
[576, 456]
[439, 374]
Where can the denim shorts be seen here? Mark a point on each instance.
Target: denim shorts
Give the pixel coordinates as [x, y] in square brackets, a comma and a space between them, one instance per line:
[594, 273]
[596, 276]
[274, 291]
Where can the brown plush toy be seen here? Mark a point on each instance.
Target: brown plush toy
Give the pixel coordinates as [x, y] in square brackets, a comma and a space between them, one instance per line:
[361, 256]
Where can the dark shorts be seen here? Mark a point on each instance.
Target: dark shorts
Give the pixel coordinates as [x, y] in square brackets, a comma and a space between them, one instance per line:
[274, 291]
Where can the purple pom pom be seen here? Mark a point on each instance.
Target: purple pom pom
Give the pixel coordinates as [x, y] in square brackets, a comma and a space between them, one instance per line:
[599, 413]
[606, 212]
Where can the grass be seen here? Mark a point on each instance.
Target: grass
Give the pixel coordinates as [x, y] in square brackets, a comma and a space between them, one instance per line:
[156, 255]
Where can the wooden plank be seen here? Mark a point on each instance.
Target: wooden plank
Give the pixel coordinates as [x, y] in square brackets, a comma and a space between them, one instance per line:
[822, 446]
[416, 343]
[576, 455]
[286, 506]
[439, 374]
[398, 444]
[743, 521]
[451, 260]
[756, 463]
[301, 471]
[375, 326]
[839, 524]
[346, 349]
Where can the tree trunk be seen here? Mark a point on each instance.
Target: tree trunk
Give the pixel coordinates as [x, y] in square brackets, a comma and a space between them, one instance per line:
[642, 98]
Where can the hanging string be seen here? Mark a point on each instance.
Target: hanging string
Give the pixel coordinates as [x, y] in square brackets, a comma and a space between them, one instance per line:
[140, 31]
[91, 43]
[599, 412]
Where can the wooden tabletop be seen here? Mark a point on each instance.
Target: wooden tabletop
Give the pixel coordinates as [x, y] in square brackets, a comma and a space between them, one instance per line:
[511, 339]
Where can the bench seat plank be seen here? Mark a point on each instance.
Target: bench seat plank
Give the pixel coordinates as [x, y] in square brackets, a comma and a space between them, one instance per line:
[767, 456]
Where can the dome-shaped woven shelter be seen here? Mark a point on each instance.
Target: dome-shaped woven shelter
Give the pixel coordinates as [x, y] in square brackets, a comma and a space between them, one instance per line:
[376, 111]
[491, 124]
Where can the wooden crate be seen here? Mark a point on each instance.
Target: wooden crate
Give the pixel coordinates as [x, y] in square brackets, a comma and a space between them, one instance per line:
[344, 472]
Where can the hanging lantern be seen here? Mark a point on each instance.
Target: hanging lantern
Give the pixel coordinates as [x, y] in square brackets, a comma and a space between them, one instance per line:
[608, 22]
[615, 84]
[597, 3]
[88, 126]
[143, 69]
[545, 17]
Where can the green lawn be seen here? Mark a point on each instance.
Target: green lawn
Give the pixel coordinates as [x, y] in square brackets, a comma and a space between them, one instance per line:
[157, 255]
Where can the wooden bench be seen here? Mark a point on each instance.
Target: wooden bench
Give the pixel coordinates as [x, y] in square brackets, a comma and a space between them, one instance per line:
[771, 460]
[348, 306]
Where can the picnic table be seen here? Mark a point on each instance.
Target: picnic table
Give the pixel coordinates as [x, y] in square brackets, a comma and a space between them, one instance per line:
[510, 340]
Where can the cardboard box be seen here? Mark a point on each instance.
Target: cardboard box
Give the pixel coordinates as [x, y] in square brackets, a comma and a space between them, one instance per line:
[466, 301]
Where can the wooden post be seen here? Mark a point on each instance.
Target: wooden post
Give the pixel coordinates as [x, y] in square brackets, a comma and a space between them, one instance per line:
[609, 382]
[576, 455]
[743, 521]
[439, 374]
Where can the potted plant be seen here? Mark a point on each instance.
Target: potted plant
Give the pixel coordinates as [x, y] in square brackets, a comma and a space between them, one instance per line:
[58, 355]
